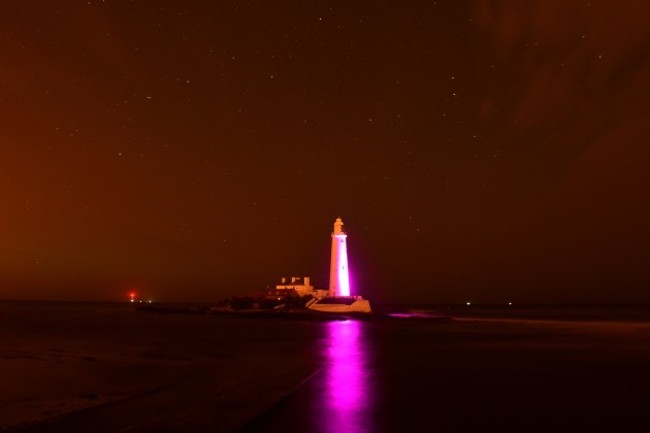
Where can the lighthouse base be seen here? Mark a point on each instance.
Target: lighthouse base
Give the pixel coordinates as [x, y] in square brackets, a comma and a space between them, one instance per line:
[340, 304]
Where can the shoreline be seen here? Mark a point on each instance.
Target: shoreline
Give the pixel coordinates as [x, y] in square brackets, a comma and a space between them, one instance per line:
[107, 369]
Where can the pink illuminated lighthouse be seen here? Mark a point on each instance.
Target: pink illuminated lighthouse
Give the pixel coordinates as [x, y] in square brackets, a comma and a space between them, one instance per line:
[339, 277]
[338, 299]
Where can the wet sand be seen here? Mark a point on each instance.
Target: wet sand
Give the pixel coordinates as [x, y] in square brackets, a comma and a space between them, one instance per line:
[506, 375]
[77, 368]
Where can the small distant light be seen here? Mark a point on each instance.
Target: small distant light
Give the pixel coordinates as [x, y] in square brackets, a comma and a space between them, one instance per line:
[509, 303]
[469, 303]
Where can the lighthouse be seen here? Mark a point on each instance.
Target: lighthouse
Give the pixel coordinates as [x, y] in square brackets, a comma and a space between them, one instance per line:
[339, 276]
[339, 299]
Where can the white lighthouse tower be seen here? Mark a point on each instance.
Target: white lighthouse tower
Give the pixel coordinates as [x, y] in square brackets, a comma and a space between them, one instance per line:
[339, 299]
[339, 276]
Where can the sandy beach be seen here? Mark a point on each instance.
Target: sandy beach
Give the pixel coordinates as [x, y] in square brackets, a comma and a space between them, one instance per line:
[106, 368]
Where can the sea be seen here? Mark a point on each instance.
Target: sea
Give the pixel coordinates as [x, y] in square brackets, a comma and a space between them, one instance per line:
[107, 367]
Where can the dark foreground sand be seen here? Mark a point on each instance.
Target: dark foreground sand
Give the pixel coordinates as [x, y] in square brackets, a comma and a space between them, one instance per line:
[101, 368]
[78, 368]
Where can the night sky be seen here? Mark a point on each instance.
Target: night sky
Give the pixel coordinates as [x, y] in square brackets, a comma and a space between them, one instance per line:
[484, 151]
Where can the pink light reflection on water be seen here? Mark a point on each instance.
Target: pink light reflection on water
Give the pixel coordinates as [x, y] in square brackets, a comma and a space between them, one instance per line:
[347, 393]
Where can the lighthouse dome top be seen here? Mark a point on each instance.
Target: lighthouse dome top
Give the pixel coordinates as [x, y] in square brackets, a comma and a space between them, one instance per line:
[338, 226]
